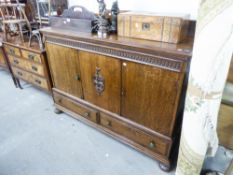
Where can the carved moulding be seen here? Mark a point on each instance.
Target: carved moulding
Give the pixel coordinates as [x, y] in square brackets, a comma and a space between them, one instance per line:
[127, 55]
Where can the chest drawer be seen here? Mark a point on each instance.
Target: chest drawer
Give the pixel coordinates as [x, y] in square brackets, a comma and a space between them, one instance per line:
[152, 143]
[36, 68]
[31, 56]
[2, 61]
[17, 62]
[12, 50]
[84, 111]
[38, 81]
[21, 74]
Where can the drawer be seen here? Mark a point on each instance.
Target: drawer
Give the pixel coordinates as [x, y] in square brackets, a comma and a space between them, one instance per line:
[31, 56]
[17, 62]
[12, 50]
[41, 82]
[36, 68]
[80, 109]
[152, 143]
[2, 61]
[21, 74]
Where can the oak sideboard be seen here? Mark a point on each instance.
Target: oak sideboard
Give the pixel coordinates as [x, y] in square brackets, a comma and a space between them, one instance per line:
[128, 88]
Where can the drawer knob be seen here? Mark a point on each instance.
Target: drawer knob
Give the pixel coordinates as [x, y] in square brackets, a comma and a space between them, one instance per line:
[78, 78]
[19, 73]
[109, 123]
[12, 51]
[152, 144]
[38, 81]
[59, 100]
[31, 56]
[16, 61]
[34, 68]
[86, 114]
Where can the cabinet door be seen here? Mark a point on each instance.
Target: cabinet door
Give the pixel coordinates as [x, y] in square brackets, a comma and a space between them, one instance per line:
[64, 68]
[101, 80]
[150, 96]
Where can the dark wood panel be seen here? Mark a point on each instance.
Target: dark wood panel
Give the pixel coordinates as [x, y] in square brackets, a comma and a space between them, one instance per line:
[64, 69]
[150, 96]
[110, 71]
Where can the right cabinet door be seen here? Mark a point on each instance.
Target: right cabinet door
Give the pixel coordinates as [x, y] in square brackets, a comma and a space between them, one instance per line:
[150, 96]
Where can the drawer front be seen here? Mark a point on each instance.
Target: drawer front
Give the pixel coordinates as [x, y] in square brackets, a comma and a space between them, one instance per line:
[41, 82]
[2, 60]
[21, 74]
[31, 56]
[12, 50]
[36, 68]
[17, 62]
[152, 143]
[84, 111]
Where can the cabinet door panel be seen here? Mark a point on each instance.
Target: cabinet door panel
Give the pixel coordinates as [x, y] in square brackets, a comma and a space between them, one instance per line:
[106, 72]
[150, 96]
[64, 67]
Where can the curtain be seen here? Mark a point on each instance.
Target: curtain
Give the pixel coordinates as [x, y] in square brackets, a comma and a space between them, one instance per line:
[212, 53]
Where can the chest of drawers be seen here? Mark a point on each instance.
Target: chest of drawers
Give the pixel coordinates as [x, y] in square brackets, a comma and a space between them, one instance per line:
[29, 64]
[127, 88]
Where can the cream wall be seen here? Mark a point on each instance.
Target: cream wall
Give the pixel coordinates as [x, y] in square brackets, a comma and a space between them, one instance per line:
[171, 6]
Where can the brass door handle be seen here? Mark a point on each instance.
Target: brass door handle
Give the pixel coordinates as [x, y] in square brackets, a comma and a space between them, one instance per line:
[152, 144]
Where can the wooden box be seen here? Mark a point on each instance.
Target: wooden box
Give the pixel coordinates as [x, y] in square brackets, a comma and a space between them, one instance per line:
[153, 26]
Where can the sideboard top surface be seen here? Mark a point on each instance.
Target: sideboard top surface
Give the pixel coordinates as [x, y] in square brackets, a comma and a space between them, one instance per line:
[181, 51]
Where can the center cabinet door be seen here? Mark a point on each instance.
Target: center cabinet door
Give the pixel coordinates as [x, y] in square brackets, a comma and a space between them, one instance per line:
[64, 68]
[101, 80]
[150, 96]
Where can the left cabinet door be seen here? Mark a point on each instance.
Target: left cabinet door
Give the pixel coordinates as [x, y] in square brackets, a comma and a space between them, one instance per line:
[64, 68]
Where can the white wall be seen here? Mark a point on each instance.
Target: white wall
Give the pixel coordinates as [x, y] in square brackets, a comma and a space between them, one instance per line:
[171, 6]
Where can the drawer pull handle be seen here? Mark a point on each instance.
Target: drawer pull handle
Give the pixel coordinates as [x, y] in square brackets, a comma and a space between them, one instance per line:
[107, 123]
[12, 51]
[86, 114]
[38, 81]
[19, 73]
[31, 56]
[152, 144]
[16, 61]
[59, 100]
[78, 78]
[34, 68]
